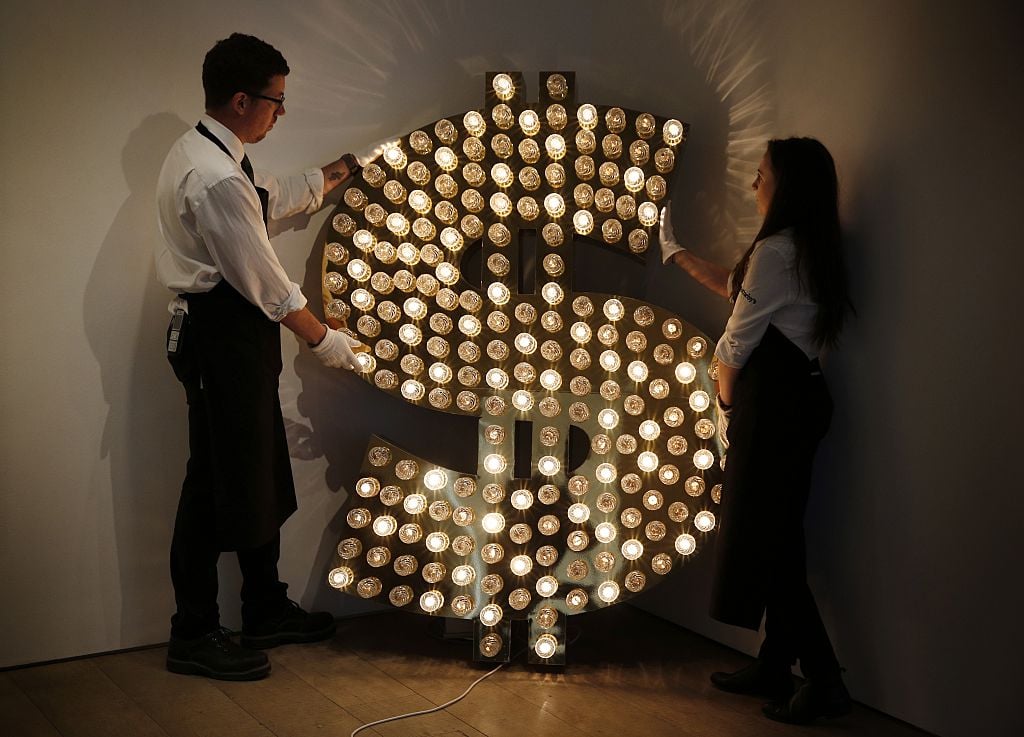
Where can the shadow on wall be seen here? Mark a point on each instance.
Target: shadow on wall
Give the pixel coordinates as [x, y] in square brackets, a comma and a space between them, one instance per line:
[143, 438]
[709, 76]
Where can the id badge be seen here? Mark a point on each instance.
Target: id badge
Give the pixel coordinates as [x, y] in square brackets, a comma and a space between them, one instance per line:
[174, 337]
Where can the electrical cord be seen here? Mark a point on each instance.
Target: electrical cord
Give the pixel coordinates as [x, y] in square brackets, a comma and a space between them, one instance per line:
[429, 711]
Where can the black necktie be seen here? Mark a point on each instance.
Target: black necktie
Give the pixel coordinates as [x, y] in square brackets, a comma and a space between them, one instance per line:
[263, 194]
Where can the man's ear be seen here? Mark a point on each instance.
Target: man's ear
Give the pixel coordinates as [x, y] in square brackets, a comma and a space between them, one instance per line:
[239, 102]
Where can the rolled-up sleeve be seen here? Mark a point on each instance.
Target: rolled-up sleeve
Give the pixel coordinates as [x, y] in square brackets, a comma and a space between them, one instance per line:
[230, 222]
[292, 195]
[765, 288]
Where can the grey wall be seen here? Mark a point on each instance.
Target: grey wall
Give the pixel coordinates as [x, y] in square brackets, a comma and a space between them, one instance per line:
[914, 525]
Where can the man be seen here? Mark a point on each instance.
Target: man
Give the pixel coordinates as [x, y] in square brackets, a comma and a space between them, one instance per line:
[224, 344]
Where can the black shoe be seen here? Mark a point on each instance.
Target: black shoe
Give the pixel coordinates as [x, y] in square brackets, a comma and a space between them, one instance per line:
[811, 701]
[215, 655]
[757, 679]
[294, 625]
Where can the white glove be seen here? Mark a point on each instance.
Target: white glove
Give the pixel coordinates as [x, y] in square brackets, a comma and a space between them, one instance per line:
[666, 236]
[724, 414]
[335, 350]
[373, 150]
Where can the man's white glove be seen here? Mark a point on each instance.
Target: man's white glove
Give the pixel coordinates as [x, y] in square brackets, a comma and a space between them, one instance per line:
[724, 414]
[666, 236]
[335, 350]
[373, 150]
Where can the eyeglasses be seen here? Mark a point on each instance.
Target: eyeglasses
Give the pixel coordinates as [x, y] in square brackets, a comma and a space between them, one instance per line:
[279, 101]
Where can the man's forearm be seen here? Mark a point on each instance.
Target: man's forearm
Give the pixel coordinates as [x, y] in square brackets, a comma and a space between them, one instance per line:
[306, 325]
[337, 172]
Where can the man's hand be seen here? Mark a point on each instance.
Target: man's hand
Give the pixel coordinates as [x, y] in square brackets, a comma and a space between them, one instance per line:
[339, 171]
[335, 350]
[666, 235]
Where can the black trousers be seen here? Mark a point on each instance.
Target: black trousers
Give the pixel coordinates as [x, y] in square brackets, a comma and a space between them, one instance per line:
[196, 545]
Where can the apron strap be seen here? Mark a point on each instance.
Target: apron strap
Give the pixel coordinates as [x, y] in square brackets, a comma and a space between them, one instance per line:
[262, 193]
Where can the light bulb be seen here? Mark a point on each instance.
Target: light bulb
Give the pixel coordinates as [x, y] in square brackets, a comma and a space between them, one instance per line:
[503, 86]
[394, 156]
[546, 646]
[435, 479]
[497, 379]
[495, 463]
[547, 586]
[415, 308]
[555, 146]
[606, 473]
[605, 532]
[469, 325]
[522, 400]
[633, 179]
[420, 201]
[439, 373]
[608, 418]
[340, 577]
[431, 601]
[699, 401]
[385, 525]
[366, 362]
[501, 204]
[549, 465]
[614, 310]
[446, 158]
[362, 299]
[550, 379]
[578, 513]
[358, 269]
[587, 115]
[554, 204]
[529, 121]
[498, 293]
[490, 615]
[637, 371]
[412, 390]
[520, 565]
[703, 459]
[436, 542]
[704, 521]
[672, 132]
[685, 372]
[632, 549]
[364, 240]
[463, 575]
[583, 222]
[608, 592]
[502, 175]
[474, 123]
[685, 544]
[522, 499]
[647, 461]
[610, 361]
[526, 343]
[647, 213]
[414, 503]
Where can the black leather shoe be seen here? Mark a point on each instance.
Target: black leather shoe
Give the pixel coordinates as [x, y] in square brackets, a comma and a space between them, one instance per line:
[294, 625]
[215, 655]
[757, 679]
[811, 701]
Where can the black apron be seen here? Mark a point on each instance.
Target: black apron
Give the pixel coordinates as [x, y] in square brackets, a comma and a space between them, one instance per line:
[229, 360]
[781, 409]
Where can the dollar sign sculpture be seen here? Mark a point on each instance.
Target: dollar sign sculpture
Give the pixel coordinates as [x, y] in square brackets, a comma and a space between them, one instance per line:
[635, 378]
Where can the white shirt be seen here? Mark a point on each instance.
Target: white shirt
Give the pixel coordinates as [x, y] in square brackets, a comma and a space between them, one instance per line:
[771, 294]
[211, 221]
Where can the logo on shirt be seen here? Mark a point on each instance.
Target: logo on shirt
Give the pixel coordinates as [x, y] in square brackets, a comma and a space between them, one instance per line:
[746, 296]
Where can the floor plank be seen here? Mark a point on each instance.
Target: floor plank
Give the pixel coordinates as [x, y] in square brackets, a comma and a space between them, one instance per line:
[18, 715]
[80, 701]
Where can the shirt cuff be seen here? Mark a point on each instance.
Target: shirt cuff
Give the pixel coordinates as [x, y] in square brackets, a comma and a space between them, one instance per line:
[315, 180]
[295, 301]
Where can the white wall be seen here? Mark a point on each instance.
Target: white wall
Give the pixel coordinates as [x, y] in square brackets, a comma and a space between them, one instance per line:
[913, 528]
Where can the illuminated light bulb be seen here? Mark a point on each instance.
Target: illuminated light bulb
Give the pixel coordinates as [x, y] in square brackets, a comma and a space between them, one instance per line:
[522, 400]
[415, 308]
[653, 499]
[606, 473]
[490, 615]
[550, 379]
[362, 299]
[413, 390]
[529, 121]
[495, 463]
[469, 325]
[435, 479]
[340, 577]
[637, 371]
[685, 544]
[385, 525]
[474, 123]
[672, 132]
[503, 87]
[431, 601]
[605, 532]
[647, 461]
[439, 373]
[647, 213]
[521, 499]
[502, 175]
[498, 293]
[528, 208]
[410, 334]
[549, 465]
[436, 542]
[547, 586]
[491, 645]
[525, 343]
[366, 362]
[583, 222]
[587, 116]
[446, 158]
[696, 347]
[451, 239]
[608, 418]
[394, 156]
[555, 146]
[554, 204]
[704, 521]
[703, 459]
[555, 174]
[358, 270]
[608, 592]
[633, 179]
[580, 332]
[610, 361]
[686, 372]
[493, 522]
[501, 204]
[414, 503]
[496, 378]
[632, 549]
[614, 310]
[463, 575]
[699, 401]
[578, 513]
[546, 646]
[520, 565]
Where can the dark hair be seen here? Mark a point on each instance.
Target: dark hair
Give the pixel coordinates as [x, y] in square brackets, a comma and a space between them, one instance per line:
[239, 63]
[806, 199]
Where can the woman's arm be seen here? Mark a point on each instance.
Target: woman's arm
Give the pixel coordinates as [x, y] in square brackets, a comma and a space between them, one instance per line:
[726, 381]
[707, 274]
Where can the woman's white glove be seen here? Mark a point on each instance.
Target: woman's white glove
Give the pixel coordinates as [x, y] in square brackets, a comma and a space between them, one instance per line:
[724, 414]
[666, 236]
[335, 350]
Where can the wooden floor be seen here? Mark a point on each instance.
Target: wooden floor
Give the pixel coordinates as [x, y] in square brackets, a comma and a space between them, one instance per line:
[629, 673]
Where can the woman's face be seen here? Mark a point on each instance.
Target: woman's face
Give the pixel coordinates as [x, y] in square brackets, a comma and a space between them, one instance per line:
[764, 185]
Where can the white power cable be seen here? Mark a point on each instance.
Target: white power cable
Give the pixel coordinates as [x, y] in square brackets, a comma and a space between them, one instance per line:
[429, 711]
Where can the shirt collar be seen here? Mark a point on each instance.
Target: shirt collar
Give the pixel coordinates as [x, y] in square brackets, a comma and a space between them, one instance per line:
[224, 134]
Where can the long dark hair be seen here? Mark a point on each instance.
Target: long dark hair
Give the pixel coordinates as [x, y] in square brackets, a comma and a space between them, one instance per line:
[806, 199]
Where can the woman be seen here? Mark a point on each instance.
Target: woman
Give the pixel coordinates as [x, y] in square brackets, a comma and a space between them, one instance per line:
[790, 300]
